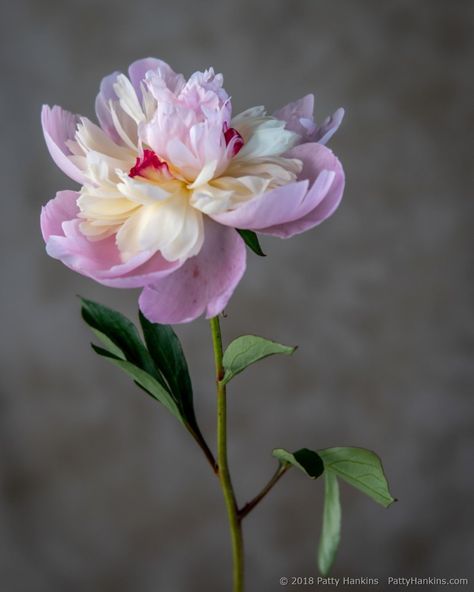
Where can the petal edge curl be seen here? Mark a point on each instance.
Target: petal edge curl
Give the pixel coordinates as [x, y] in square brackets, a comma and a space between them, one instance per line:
[322, 199]
[59, 126]
[98, 260]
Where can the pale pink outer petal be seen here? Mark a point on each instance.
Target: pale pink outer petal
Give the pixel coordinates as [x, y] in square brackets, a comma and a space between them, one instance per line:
[299, 118]
[106, 94]
[204, 284]
[323, 197]
[298, 115]
[56, 211]
[59, 126]
[137, 72]
[99, 260]
[273, 207]
[292, 208]
[328, 128]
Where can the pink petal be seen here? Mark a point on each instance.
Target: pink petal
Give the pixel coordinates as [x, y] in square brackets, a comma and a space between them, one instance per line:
[99, 260]
[204, 284]
[299, 118]
[135, 274]
[137, 73]
[323, 198]
[298, 115]
[328, 128]
[53, 214]
[273, 207]
[106, 94]
[138, 69]
[59, 126]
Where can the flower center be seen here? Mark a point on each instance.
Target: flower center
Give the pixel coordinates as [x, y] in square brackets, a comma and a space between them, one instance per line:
[150, 166]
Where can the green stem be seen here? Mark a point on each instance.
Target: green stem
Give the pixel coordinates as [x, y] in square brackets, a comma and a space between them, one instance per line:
[223, 470]
[249, 506]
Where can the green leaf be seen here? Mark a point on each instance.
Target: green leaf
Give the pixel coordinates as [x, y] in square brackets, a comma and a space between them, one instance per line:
[362, 469]
[248, 349]
[167, 353]
[108, 343]
[165, 349]
[251, 240]
[143, 379]
[306, 460]
[331, 528]
[112, 327]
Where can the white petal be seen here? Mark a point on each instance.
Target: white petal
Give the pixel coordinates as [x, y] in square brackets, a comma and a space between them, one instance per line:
[146, 192]
[182, 158]
[91, 137]
[96, 232]
[125, 130]
[224, 193]
[98, 208]
[251, 113]
[189, 241]
[211, 200]
[267, 138]
[155, 227]
[205, 175]
[149, 102]
[278, 169]
[102, 169]
[128, 98]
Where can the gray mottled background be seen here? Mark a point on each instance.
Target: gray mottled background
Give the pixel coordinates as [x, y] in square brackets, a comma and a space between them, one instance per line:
[100, 490]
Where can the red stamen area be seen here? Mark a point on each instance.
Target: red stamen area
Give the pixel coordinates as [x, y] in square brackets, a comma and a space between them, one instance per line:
[147, 164]
[232, 135]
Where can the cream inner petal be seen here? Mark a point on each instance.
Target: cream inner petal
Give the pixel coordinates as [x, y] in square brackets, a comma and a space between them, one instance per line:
[141, 191]
[243, 180]
[170, 226]
[128, 99]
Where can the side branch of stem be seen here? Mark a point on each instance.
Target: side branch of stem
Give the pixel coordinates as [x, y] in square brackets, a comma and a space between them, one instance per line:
[249, 506]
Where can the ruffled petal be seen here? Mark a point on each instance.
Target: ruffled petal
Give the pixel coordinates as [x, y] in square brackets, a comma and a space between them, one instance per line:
[264, 137]
[326, 175]
[99, 260]
[204, 284]
[170, 226]
[273, 207]
[137, 73]
[328, 128]
[59, 127]
[299, 118]
[102, 109]
[292, 208]
[298, 115]
[56, 211]
[113, 118]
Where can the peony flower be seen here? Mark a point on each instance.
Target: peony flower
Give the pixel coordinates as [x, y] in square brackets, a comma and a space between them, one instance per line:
[168, 176]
